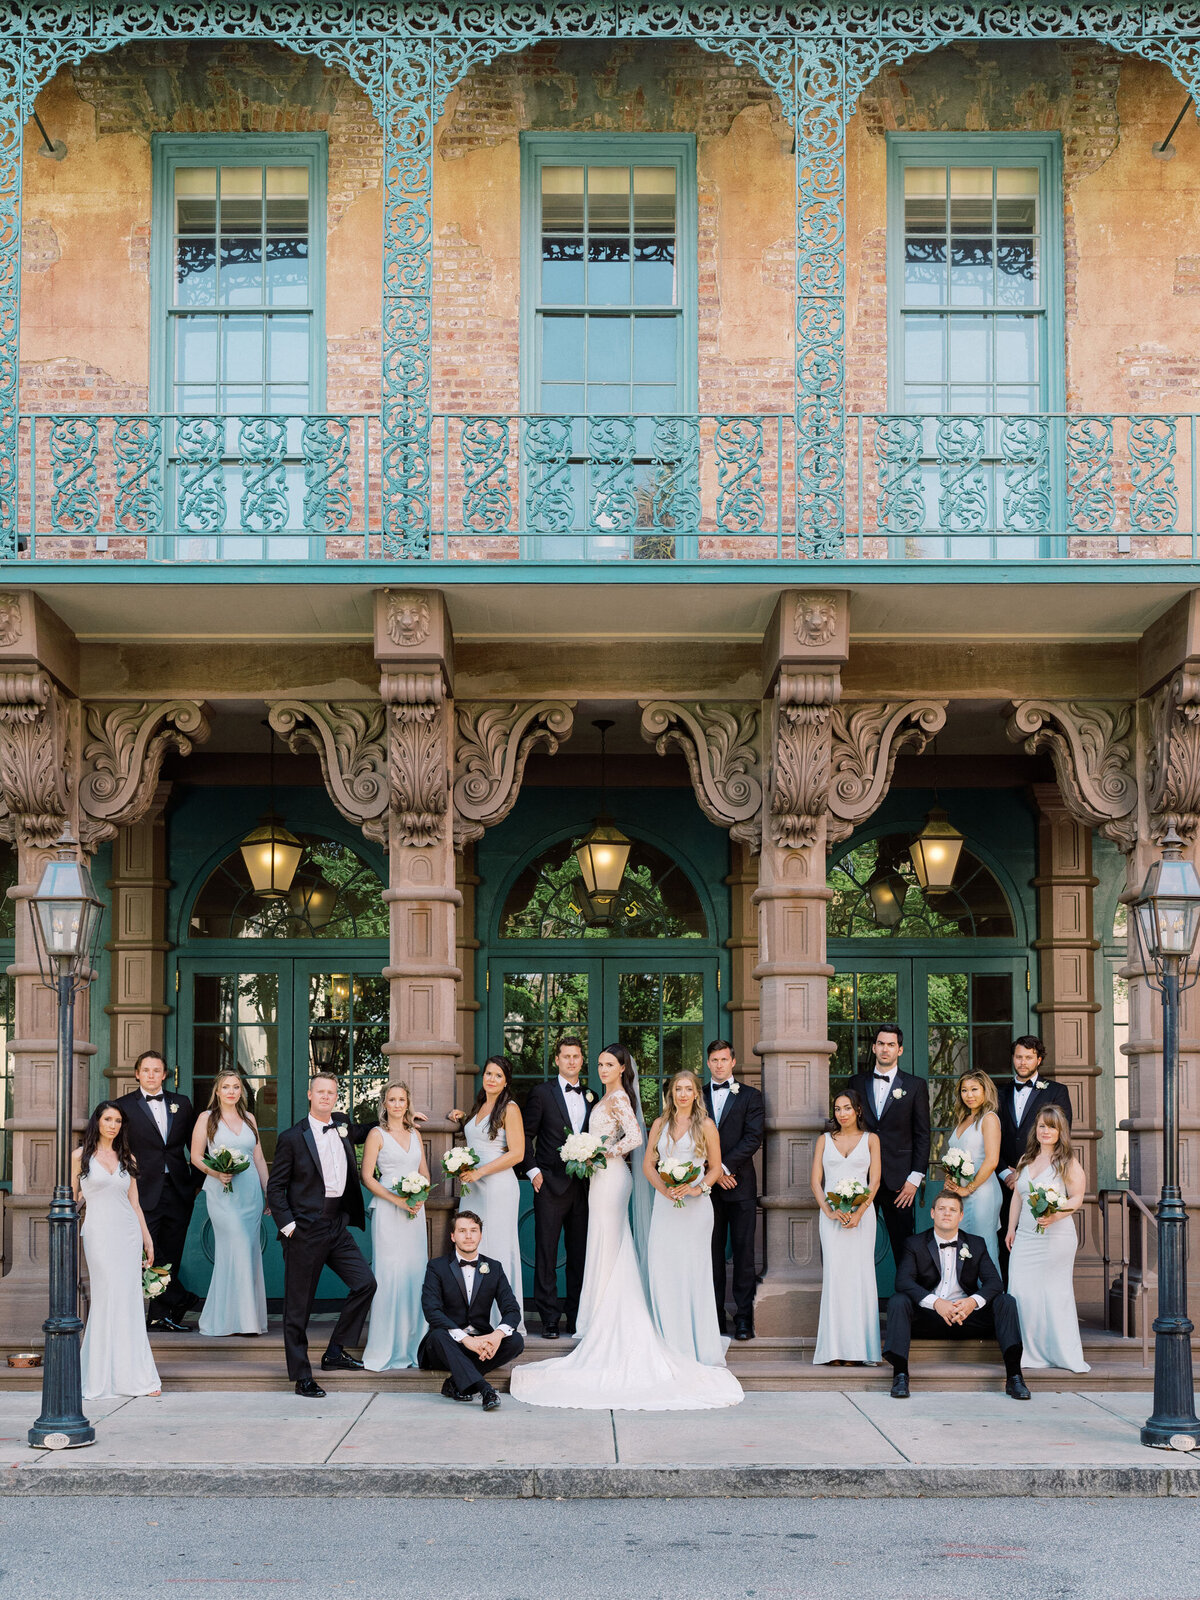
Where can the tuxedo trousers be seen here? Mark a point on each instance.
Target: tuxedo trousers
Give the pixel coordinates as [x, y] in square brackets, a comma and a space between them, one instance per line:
[734, 1226]
[440, 1353]
[167, 1224]
[905, 1320]
[306, 1253]
[559, 1216]
[900, 1221]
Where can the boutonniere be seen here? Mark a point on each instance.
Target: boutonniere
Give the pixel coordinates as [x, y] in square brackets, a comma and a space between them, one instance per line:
[1037, 1083]
[588, 1096]
[964, 1254]
[484, 1268]
[174, 1108]
[734, 1088]
[898, 1094]
[342, 1131]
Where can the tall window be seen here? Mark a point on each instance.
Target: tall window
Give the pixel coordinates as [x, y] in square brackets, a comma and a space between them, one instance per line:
[976, 333]
[609, 331]
[240, 257]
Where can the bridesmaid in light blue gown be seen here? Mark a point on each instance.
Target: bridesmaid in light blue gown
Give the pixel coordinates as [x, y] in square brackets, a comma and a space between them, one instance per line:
[679, 1252]
[978, 1133]
[399, 1235]
[237, 1296]
[496, 1133]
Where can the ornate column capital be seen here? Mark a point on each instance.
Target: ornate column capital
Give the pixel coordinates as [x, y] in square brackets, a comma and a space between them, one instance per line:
[418, 771]
[720, 745]
[492, 744]
[865, 741]
[804, 703]
[123, 750]
[1092, 746]
[1173, 755]
[35, 758]
[349, 738]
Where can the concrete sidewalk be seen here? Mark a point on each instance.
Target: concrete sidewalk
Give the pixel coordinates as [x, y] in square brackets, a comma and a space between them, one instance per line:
[773, 1444]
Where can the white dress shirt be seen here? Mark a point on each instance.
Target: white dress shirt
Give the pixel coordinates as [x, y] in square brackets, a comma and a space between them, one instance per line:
[576, 1110]
[950, 1288]
[882, 1091]
[158, 1110]
[721, 1096]
[1021, 1095]
[331, 1153]
[469, 1269]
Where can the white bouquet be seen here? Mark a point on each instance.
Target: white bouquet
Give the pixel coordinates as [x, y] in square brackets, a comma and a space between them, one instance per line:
[221, 1158]
[155, 1280]
[1044, 1200]
[459, 1160]
[413, 1189]
[678, 1174]
[958, 1167]
[847, 1196]
[583, 1154]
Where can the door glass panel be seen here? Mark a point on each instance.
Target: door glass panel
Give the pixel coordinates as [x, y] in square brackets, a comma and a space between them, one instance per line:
[660, 1021]
[539, 1008]
[235, 1028]
[347, 1030]
[858, 1003]
[970, 1028]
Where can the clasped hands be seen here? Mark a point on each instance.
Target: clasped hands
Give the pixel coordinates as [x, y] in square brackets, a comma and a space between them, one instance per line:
[484, 1345]
[954, 1312]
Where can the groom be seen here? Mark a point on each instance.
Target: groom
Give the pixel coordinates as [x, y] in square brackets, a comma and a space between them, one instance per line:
[896, 1108]
[315, 1199]
[554, 1109]
[457, 1297]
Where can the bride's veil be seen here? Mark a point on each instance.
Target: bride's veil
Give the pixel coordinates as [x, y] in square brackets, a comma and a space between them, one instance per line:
[641, 1200]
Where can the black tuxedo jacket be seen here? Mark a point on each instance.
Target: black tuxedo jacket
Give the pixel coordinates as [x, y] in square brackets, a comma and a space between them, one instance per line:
[920, 1269]
[741, 1134]
[547, 1124]
[296, 1187]
[161, 1164]
[444, 1295]
[1014, 1136]
[903, 1128]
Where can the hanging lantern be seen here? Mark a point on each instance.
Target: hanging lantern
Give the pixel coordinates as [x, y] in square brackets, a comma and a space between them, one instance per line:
[313, 902]
[272, 855]
[602, 855]
[886, 891]
[935, 852]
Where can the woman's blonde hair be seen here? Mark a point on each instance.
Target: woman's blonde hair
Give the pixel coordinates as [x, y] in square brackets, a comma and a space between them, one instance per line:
[1064, 1150]
[406, 1121]
[991, 1100]
[699, 1114]
[214, 1104]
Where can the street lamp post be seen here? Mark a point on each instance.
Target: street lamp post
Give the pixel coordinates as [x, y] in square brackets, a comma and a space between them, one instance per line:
[66, 917]
[1167, 918]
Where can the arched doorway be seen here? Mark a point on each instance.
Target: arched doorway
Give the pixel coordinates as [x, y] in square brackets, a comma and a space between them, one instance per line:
[272, 989]
[953, 971]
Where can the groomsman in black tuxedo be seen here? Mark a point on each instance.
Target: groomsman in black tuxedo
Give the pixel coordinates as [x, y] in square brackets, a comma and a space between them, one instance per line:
[947, 1287]
[896, 1107]
[457, 1297]
[1021, 1098]
[159, 1126]
[315, 1198]
[554, 1109]
[737, 1110]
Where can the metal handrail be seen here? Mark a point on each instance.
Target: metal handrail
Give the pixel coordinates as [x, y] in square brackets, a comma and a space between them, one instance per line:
[1131, 1205]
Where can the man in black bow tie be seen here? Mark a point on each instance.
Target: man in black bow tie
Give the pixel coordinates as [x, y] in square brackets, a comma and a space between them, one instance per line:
[457, 1298]
[947, 1287]
[159, 1126]
[896, 1108]
[554, 1109]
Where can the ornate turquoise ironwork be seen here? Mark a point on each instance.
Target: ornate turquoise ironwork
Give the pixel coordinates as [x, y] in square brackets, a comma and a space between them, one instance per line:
[263, 445]
[137, 451]
[741, 506]
[325, 446]
[1025, 451]
[900, 505]
[962, 500]
[1153, 500]
[549, 502]
[74, 489]
[612, 502]
[486, 501]
[1091, 502]
[675, 495]
[199, 443]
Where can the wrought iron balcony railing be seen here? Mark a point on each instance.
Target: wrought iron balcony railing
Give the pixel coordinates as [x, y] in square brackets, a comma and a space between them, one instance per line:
[652, 488]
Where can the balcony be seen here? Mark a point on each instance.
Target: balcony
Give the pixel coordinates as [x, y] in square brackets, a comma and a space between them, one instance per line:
[698, 488]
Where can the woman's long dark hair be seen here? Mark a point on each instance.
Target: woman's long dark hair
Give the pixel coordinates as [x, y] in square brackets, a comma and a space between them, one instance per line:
[503, 1100]
[855, 1099]
[628, 1075]
[91, 1141]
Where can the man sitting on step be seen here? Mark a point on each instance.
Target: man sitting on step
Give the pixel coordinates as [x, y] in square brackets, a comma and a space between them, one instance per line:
[947, 1287]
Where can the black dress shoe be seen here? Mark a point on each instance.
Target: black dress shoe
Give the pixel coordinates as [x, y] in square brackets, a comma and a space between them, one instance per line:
[550, 1331]
[452, 1392]
[1016, 1388]
[900, 1390]
[491, 1400]
[742, 1330]
[310, 1389]
[340, 1362]
[568, 1330]
[167, 1325]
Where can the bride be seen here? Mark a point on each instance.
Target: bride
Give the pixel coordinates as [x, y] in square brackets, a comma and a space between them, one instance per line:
[620, 1362]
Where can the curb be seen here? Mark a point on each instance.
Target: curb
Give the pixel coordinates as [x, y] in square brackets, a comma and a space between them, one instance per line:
[607, 1483]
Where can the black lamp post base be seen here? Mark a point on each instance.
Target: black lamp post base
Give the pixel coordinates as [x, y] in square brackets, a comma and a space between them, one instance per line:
[1170, 1435]
[70, 1437]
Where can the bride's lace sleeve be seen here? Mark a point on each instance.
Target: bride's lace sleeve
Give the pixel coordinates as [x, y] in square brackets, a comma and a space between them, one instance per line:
[626, 1135]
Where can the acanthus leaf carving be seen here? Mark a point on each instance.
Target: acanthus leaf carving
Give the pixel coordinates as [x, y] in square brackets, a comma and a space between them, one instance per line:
[493, 744]
[865, 741]
[123, 750]
[35, 758]
[1173, 757]
[1092, 746]
[803, 754]
[417, 761]
[720, 745]
[349, 739]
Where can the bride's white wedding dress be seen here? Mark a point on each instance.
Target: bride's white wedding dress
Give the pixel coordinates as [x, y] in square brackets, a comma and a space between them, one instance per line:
[620, 1362]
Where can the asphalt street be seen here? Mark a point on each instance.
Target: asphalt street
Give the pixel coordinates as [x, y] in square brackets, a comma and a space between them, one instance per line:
[244, 1549]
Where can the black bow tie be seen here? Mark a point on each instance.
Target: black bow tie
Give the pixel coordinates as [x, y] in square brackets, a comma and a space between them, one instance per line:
[474, 1265]
[718, 1087]
[947, 1244]
[882, 1077]
[572, 1088]
[157, 1097]
[329, 1128]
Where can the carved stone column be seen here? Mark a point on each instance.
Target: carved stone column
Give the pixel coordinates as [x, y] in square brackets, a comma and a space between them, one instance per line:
[139, 946]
